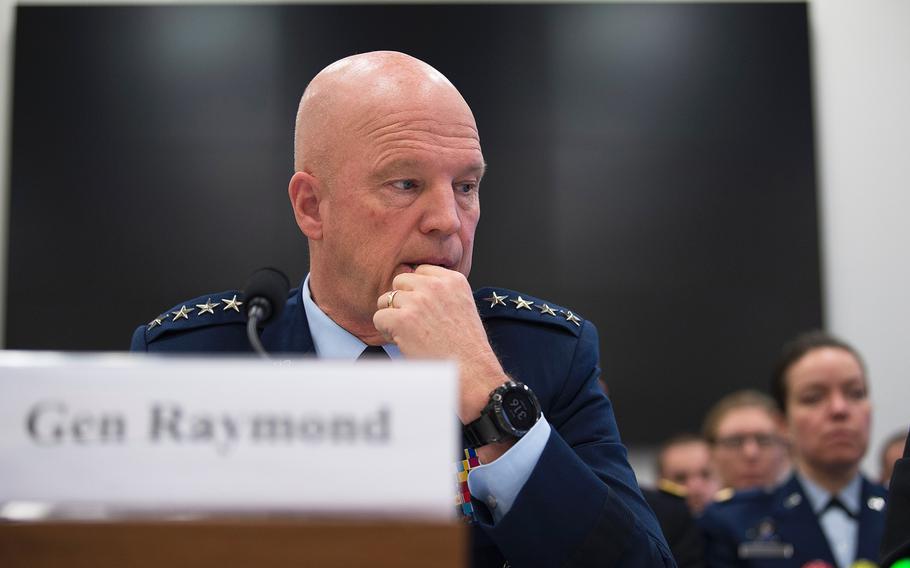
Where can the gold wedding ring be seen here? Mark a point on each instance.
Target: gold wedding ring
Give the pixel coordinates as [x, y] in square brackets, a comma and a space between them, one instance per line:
[391, 298]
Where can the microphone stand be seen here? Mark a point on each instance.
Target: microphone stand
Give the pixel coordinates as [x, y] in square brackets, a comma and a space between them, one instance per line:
[257, 312]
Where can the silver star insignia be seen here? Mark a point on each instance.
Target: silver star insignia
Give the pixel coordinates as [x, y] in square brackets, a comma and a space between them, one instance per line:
[573, 318]
[157, 321]
[522, 303]
[545, 309]
[206, 308]
[232, 304]
[183, 312]
[496, 299]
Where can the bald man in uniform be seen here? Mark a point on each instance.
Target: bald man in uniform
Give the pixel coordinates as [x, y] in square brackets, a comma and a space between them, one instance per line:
[388, 166]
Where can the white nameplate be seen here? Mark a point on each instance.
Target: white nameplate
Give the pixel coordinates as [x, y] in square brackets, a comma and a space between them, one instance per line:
[224, 434]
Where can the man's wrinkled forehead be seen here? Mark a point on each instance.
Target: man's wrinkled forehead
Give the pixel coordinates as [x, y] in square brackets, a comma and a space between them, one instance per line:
[403, 115]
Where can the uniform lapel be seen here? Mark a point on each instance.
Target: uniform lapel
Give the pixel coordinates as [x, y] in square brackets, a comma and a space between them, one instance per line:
[871, 522]
[798, 525]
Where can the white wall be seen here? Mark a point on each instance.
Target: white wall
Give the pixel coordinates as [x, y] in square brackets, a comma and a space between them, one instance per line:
[861, 52]
[862, 89]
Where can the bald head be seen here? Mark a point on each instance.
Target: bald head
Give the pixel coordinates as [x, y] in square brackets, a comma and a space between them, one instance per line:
[345, 99]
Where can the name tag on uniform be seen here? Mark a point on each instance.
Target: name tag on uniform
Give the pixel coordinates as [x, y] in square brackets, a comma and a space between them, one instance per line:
[765, 549]
[145, 434]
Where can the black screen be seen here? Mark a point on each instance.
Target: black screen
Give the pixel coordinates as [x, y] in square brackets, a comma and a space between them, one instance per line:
[650, 168]
[518, 410]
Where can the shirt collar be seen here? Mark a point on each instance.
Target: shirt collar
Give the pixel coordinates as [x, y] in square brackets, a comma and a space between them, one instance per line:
[818, 497]
[330, 339]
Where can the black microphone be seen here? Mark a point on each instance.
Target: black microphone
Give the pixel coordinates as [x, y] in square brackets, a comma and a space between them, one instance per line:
[265, 292]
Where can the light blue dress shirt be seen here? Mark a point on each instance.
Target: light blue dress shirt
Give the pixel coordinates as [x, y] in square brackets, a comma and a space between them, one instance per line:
[840, 529]
[497, 484]
[330, 339]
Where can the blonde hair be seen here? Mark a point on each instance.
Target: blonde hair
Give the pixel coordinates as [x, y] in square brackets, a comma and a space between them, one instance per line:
[740, 399]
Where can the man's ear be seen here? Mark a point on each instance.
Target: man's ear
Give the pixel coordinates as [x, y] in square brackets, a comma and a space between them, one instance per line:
[306, 193]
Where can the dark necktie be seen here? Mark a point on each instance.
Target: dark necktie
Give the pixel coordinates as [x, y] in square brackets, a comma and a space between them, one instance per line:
[836, 503]
[373, 352]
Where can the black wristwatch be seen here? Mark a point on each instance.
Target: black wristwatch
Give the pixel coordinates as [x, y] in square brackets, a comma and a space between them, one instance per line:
[512, 411]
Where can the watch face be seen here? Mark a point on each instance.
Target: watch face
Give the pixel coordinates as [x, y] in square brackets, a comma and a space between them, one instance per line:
[518, 409]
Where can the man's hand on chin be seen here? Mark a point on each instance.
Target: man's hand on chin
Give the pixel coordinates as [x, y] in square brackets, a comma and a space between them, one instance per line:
[433, 316]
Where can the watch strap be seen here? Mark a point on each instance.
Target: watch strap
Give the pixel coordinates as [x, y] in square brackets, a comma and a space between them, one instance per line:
[482, 431]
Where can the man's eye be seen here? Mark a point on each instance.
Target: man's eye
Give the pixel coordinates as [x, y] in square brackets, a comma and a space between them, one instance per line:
[466, 187]
[405, 184]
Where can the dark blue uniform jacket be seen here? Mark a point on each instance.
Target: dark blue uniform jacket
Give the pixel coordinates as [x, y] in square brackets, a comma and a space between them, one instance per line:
[756, 527]
[581, 505]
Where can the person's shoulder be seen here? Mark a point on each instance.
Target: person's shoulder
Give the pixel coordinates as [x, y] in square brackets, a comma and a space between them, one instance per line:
[666, 501]
[745, 504]
[671, 510]
[209, 311]
[730, 507]
[729, 498]
[504, 304]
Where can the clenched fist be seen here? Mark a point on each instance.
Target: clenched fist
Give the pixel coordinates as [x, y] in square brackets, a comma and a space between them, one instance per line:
[433, 316]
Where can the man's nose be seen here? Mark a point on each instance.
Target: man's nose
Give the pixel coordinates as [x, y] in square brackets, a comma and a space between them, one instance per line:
[750, 447]
[441, 212]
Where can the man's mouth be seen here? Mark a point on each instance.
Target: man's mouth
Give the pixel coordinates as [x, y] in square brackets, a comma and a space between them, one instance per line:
[839, 435]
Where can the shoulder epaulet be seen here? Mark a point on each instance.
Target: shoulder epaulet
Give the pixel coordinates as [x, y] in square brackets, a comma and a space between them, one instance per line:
[730, 495]
[724, 495]
[211, 309]
[675, 489]
[502, 303]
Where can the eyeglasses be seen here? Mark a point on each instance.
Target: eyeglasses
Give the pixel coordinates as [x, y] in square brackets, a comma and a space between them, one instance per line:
[739, 441]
